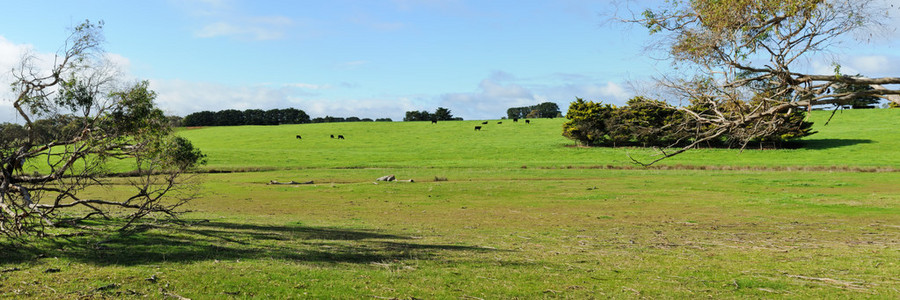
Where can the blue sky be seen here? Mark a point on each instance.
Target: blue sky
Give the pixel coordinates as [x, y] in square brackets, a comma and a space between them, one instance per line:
[370, 58]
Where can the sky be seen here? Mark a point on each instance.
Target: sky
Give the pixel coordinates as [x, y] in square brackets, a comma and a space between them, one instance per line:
[375, 58]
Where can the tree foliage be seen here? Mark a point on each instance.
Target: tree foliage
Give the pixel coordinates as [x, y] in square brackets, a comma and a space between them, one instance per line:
[650, 123]
[543, 110]
[77, 117]
[862, 101]
[740, 60]
[233, 117]
[440, 114]
[330, 119]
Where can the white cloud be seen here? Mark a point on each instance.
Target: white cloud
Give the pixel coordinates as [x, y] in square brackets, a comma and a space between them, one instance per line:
[223, 18]
[490, 101]
[310, 86]
[259, 28]
[876, 65]
[373, 108]
[867, 65]
[180, 97]
[11, 55]
[493, 97]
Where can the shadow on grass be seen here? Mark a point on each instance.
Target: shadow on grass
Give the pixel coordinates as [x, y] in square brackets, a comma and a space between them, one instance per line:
[232, 241]
[820, 144]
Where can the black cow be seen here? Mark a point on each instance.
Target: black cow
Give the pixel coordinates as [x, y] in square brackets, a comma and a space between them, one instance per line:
[527, 121]
[477, 127]
[515, 119]
[499, 122]
[298, 136]
[340, 137]
[332, 136]
[433, 121]
[484, 123]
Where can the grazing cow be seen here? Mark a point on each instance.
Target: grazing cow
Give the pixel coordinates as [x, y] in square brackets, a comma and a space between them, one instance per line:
[515, 119]
[433, 121]
[340, 137]
[477, 127]
[527, 121]
[332, 136]
[499, 122]
[484, 123]
[298, 136]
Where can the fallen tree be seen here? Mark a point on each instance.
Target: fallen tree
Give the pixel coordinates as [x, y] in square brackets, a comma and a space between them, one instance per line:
[740, 60]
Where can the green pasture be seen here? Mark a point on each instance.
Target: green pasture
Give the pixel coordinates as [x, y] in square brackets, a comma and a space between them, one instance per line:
[854, 138]
[512, 211]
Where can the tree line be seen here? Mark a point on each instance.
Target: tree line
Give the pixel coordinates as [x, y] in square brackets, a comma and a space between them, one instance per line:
[440, 114]
[233, 117]
[543, 110]
[330, 119]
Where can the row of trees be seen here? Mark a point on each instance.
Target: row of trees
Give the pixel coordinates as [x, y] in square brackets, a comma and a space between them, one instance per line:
[651, 123]
[543, 110]
[233, 117]
[43, 131]
[440, 114]
[330, 119]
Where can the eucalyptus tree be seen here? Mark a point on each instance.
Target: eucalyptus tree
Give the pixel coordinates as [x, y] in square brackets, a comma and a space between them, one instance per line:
[44, 174]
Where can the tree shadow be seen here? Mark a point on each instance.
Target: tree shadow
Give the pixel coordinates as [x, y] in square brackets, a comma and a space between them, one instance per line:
[821, 144]
[210, 241]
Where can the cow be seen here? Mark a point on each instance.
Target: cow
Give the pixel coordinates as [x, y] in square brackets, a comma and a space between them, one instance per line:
[332, 136]
[298, 137]
[433, 121]
[527, 121]
[477, 127]
[484, 123]
[340, 137]
[499, 122]
[515, 119]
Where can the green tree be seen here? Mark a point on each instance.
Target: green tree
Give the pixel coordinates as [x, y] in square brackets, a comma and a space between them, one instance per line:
[518, 112]
[588, 122]
[547, 110]
[255, 117]
[442, 114]
[77, 118]
[202, 118]
[864, 100]
[417, 116]
[229, 117]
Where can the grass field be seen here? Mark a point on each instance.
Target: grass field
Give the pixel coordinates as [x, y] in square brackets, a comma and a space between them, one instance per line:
[513, 211]
[860, 138]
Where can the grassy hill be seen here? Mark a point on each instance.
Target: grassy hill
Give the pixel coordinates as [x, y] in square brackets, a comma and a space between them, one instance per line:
[863, 138]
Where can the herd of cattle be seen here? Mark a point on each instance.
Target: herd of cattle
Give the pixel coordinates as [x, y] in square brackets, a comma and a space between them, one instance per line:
[477, 128]
[340, 137]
